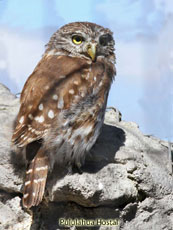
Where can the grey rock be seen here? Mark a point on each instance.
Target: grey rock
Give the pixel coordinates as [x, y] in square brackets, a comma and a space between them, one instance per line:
[126, 177]
[9, 105]
[12, 217]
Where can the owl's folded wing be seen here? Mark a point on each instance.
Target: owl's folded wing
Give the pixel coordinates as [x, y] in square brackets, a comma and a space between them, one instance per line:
[40, 99]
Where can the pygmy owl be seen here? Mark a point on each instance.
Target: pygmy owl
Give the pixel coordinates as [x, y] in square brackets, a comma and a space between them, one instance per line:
[63, 102]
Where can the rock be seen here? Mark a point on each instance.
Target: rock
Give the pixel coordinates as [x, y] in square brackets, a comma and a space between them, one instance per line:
[9, 105]
[11, 214]
[126, 178]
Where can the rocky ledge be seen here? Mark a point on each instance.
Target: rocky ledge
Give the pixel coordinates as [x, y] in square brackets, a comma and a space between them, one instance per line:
[126, 177]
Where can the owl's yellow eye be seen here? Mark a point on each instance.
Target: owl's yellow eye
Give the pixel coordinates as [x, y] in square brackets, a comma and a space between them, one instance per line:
[77, 39]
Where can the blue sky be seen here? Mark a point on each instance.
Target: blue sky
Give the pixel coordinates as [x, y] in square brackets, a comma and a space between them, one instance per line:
[143, 89]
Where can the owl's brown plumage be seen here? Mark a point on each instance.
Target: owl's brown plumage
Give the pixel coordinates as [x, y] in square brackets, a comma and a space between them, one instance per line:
[64, 100]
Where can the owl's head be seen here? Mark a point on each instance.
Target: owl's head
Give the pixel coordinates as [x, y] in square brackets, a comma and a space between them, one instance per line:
[82, 39]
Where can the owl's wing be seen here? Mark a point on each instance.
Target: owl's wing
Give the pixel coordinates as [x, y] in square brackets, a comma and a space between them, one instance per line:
[40, 101]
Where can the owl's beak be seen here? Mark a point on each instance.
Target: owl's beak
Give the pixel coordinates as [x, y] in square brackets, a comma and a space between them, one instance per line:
[91, 50]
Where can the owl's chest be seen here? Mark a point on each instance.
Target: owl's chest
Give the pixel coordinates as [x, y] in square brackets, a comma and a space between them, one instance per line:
[87, 106]
[85, 102]
[81, 124]
[78, 132]
[78, 124]
[77, 85]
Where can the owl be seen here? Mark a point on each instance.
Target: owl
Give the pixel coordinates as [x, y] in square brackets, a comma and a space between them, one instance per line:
[63, 102]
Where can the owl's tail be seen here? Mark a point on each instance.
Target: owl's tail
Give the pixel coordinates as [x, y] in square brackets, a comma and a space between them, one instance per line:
[35, 180]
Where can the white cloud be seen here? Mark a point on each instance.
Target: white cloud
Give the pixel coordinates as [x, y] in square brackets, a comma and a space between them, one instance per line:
[130, 59]
[19, 55]
[3, 64]
[157, 101]
[130, 18]
[167, 5]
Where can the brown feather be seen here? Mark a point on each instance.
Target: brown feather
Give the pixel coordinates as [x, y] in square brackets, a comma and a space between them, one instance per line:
[48, 72]
[35, 180]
